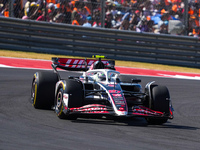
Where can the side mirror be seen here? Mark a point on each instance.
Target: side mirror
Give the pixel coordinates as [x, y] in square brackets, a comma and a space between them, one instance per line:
[118, 80]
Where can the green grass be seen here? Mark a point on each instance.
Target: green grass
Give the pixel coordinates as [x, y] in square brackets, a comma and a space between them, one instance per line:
[19, 54]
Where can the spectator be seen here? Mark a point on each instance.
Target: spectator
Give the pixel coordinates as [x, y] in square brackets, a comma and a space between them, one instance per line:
[5, 11]
[76, 20]
[59, 18]
[43, 17]
[164, 17]
[147, 8]
[96, 17]
[1, 6]
[96, 21]
[144, 27]
[152, 9]
[150, 24]
[51, 16]
[32, 12]
[164, 27]
[125, 24]
[27, 6]
[155, 29]
[76, 10]
[108, 23]
[83, 15]
[88, 22]
[133, 27]
[51, 8]
[113, 9]
[88, 7]
[66, 10]
[118, 20]
[135, 18]
[17, 9]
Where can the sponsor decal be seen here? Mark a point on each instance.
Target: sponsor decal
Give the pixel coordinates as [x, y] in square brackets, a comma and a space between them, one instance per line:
[121, 108]
[114, 91]
[112, 85]
[96, 112]
[120, 102]
[117, 97]
[65, 100]
[90, 62]
[90, 109]
[81, 62]
[68, 61]
[76, 63]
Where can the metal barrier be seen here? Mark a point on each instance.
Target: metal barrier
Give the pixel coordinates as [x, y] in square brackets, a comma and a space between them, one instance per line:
[44, 37]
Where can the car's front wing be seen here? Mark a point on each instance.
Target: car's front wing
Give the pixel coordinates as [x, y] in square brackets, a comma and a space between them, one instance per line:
[139, 111]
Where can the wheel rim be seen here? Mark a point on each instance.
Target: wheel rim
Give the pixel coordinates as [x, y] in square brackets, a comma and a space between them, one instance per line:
[59, 100]
[58, 103]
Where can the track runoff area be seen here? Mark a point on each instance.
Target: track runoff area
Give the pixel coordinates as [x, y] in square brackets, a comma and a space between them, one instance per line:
[8, 62]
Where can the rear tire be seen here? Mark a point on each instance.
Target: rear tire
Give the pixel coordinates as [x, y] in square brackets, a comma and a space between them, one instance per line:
[160, 102]
[43, 89]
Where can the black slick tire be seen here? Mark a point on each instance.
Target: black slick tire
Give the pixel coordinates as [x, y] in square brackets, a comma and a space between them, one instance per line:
[43, 89]
[59, 107]
[160, 102]
[74, 90]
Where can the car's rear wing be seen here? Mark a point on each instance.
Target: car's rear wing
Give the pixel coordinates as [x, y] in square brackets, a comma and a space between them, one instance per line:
[76, 64]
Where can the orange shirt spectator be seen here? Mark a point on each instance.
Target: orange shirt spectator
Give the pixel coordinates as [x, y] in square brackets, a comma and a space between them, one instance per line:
[88, 10]
[6, 13]
[76, 20]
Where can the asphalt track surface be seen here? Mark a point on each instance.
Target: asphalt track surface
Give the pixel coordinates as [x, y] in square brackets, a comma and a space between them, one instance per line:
[23, 127]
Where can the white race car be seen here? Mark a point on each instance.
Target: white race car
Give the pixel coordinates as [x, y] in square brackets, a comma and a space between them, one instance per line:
[99, 91]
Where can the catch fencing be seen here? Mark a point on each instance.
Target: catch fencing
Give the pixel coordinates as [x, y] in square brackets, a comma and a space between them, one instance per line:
[45, 37]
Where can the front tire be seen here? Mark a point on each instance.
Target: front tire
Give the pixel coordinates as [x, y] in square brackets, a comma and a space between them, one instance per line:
[75, 99]
[60, 107]
[159, 102]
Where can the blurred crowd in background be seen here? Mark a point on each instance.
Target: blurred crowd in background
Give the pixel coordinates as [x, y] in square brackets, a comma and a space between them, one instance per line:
[136, 15]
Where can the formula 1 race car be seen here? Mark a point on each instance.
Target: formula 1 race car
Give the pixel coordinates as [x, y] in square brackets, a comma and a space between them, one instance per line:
[99, 91]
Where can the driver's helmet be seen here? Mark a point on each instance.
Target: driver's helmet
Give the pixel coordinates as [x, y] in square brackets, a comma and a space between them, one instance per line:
[101, 76]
